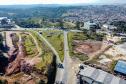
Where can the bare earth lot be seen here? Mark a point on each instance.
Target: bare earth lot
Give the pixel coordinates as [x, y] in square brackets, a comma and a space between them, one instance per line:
[87, 47]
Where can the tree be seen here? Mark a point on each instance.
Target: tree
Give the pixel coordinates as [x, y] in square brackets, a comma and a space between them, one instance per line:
[1, 42]
[121, 26]
[61, 23]
[78, 25]
[4, 21]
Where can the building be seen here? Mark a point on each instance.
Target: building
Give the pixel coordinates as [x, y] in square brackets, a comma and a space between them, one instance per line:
[120, 67]
[90, 25]
[91, 75]
[107, 27]
[6, 23]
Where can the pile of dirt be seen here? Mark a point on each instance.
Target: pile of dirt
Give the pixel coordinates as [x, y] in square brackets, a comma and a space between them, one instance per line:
[87, 47]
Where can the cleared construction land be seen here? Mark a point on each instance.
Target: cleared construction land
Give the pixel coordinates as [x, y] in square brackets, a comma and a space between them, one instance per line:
[78, 36]
[84, 46]
[29, 59]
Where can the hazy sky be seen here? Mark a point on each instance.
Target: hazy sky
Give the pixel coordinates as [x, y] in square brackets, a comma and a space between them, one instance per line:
[6, 2]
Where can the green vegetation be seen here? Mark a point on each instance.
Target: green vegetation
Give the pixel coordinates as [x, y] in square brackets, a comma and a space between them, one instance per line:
[81, 57]
[3, 82]
[29, 45]
[112, 66]
[81, 36]
[96, 36]
[69, 25]
[42, 23]
[30, 23]
[94, 61]
[76, 36]
[121, 26]
[46, 55]
[46, 60]
[56, 38]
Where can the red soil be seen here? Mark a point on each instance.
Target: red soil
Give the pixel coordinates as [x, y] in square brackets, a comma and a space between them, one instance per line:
[87, 47]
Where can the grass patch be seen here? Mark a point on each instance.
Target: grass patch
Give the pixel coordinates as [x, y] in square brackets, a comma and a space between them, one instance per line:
[82, 57]
[112, 66]
[29, 45]
[46, 55]
[56, 38]
[46, 60]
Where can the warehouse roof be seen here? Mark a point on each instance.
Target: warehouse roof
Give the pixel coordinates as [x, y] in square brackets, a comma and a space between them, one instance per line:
[120, 67]
[99, 76]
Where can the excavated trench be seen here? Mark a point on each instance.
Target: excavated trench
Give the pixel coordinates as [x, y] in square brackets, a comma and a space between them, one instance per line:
[8, 63]
[16, 59]
[15, 62]
[15, 56]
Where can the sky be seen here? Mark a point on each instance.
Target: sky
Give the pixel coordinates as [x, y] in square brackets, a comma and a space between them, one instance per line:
[11, 2]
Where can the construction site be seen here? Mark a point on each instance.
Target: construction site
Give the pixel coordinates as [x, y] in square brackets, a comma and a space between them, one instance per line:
[23, 59]
[104, 55]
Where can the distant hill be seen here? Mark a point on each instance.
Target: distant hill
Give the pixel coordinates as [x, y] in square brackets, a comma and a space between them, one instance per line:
[71, 12]
[30, 6]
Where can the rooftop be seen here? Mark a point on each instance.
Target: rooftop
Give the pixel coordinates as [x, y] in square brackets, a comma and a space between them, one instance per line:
[120, 67]
[3, 18]
[100, 76]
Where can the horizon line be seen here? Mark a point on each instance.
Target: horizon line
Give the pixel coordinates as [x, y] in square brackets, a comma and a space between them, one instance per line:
[67, 4]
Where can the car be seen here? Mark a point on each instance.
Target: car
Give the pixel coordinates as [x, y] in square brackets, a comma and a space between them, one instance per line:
[59, 82]
[60, 65]
[81, 67]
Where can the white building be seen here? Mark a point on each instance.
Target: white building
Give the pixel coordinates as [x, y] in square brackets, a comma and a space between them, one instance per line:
[5, 22]
[108, 27]
[90, 26]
